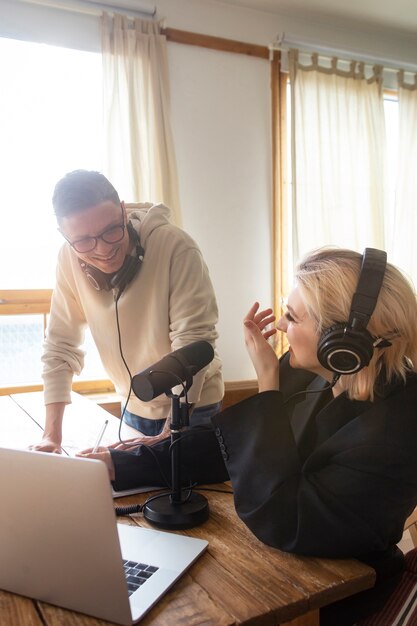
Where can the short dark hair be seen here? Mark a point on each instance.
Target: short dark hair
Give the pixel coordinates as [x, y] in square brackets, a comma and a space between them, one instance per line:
[81, 189]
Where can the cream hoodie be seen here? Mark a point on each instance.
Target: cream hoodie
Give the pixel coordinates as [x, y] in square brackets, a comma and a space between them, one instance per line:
[169, 304]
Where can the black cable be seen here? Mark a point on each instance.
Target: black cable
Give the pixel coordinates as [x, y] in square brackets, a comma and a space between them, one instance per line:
[119, 337]
[192, 431]
[138, 508]
[137, 445]
[132, 509]
[306, 391]
[125, 443]
[152, 451]
[128, 510]
[161, 471]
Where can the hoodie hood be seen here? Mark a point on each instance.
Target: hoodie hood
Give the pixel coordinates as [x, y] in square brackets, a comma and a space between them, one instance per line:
[146, 217]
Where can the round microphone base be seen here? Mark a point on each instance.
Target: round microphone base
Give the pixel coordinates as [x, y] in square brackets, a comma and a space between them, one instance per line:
[163, 513]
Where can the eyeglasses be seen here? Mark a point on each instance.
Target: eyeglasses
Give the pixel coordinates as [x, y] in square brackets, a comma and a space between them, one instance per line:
[114, 234]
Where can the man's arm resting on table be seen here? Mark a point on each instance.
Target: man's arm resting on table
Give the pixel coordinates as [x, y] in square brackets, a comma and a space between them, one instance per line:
[52, 436]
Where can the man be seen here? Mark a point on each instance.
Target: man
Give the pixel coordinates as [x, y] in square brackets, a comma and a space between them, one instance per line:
[141, 285]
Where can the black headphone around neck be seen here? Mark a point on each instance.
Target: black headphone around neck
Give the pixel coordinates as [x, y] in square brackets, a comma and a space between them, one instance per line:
[347, 347]
[120, 280]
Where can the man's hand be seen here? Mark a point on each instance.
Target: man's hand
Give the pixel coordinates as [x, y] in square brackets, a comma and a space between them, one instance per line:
[260, 351]
[47, 445]
[102, 454]
[52, 436]
[136, 441]
[128, 444]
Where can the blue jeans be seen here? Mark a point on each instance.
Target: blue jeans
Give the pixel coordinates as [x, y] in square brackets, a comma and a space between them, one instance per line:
[200, 416]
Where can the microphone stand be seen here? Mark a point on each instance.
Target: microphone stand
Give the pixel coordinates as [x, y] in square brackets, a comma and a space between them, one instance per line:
[174, 510]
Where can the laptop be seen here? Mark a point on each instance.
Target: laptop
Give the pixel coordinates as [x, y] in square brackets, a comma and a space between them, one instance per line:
[60, 543]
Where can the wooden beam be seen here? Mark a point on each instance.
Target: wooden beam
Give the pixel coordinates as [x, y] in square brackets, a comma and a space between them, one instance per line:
[279, 192]
[215, 43]
[25, 301]
[25, 295]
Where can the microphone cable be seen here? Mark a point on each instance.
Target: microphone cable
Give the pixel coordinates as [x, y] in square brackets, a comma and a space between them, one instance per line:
[119, 337]
[128, 445]
[133, 509]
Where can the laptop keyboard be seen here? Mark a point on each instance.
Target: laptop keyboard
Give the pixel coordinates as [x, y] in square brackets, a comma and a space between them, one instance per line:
[137, 574]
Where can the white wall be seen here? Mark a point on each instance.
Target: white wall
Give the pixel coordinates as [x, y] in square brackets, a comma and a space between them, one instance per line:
[221, 124]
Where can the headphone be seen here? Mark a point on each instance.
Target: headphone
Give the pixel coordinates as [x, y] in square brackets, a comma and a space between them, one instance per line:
[347, 347]
[120, 280]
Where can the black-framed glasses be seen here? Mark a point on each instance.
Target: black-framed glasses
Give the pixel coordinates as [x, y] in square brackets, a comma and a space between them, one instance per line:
[114, 234]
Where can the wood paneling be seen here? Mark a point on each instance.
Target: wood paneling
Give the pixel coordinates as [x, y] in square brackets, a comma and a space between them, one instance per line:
[235, 391]
[238, 390]
[25, 301]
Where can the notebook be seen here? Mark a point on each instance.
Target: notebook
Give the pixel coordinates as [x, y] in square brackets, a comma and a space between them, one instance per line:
[60, 543]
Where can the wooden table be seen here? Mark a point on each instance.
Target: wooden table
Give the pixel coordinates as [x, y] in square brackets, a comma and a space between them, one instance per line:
[238, 580]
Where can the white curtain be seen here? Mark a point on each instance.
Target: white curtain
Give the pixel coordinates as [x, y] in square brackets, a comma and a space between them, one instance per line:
[139, 156]
[402, 247]
[338, 148]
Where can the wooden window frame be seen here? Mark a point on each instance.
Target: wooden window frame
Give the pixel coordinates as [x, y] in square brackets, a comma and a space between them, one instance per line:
[38, 302]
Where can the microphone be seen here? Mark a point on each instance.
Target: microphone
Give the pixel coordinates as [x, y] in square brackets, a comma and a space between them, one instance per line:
[174, 368]
[172, 510]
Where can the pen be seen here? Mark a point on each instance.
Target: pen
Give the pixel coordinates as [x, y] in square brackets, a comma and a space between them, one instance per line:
[100, 437]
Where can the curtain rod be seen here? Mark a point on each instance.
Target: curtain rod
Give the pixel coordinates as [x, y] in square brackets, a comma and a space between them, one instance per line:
[96, 7]
[283, 44]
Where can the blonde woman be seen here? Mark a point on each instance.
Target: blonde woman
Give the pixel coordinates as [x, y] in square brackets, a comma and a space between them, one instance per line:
[323, 461]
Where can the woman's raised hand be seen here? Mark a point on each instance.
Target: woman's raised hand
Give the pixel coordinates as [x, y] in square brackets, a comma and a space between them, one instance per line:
[262, 354]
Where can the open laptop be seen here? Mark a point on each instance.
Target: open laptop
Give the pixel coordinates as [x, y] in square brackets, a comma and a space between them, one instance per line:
[59, 541]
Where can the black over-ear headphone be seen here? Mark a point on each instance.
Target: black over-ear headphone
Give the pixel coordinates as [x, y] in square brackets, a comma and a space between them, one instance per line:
[347, 347]
[131, 264]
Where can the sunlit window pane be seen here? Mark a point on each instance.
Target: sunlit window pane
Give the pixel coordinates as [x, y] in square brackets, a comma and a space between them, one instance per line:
[50, 124]
[21, 338]
[391, 129]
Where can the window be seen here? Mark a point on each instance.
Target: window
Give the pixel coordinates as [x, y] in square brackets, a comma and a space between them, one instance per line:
[50, 124]
[391, 112]
[391, 129]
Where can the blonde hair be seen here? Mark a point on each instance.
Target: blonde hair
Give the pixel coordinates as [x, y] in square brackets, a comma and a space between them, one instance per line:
[327, 279]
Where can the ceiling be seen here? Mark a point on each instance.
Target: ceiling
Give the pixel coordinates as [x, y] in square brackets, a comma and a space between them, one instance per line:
[393, 15]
